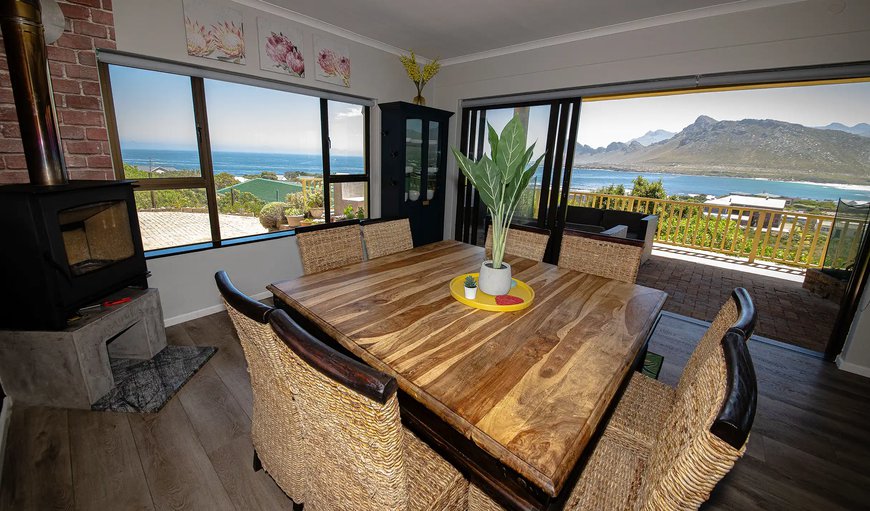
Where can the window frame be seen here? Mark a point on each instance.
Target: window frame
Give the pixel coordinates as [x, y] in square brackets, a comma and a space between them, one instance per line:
[206, 179]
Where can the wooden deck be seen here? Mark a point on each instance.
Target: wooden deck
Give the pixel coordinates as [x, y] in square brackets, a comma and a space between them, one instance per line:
[809, 448]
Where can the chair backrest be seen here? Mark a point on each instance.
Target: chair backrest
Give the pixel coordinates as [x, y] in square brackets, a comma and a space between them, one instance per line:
[522, 241]
[384, 237]
[605, 256]
[705, 432]
[354, 450]
[327, 246]
[276, 429]
[737, 314]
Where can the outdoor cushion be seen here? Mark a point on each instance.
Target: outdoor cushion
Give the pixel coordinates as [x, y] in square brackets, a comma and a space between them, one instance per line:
[583, 215]
[612, 218]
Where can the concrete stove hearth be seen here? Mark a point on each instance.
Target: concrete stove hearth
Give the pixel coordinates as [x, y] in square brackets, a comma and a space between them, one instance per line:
[71, 368]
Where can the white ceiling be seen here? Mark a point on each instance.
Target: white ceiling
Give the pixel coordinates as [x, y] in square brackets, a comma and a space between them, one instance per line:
[454, 28]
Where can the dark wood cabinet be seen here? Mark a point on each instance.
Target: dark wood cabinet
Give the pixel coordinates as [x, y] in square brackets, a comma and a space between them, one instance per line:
[414, 167]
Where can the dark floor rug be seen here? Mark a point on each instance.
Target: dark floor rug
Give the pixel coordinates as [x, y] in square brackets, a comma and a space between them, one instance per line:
[652, 365]
[144, 386]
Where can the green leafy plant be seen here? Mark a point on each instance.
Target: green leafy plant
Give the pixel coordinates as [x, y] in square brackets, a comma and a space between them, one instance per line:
[500, 178]
[360, 213]
[348, 212]
[470, 282]
[293, 211]
[315, 199]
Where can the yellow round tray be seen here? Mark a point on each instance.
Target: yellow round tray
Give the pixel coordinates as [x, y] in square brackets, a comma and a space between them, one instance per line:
[487, 302]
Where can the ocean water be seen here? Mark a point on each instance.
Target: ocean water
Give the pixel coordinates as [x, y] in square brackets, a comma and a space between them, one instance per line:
[244, 163]
[581, 179]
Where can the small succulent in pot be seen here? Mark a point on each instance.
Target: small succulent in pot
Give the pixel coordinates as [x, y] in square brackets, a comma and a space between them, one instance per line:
[470, 287]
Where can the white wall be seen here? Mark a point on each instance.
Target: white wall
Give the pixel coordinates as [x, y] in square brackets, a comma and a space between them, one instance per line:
[855, 357]
[155, 28]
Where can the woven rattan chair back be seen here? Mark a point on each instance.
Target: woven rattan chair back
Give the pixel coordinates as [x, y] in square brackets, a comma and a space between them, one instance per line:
[385, 237]
[276, 431]
[352, 429]
[522, 241]
[605, 256]
[738, 313]
[329, 246]
[706, 431]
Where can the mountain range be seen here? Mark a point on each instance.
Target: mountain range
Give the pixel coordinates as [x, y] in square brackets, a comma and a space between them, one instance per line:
[862, 129]
[756, 148]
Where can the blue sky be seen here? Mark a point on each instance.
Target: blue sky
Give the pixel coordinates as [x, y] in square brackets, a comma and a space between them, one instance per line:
[155, 110]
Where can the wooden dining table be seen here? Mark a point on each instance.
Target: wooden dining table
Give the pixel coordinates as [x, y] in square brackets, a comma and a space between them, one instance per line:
[512, 399]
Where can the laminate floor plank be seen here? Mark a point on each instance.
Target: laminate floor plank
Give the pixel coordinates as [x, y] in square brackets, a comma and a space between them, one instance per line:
[117, 480]
[37, 474]
[179, 473]
[229, 361]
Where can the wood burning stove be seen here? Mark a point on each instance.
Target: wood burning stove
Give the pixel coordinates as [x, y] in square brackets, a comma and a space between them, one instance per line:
[64, 243]
[65, 246]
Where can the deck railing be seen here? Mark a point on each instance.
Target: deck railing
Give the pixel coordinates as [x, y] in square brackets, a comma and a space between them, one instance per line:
[786, 237]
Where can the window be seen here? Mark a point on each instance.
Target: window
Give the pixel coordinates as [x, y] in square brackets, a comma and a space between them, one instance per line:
[210, 155]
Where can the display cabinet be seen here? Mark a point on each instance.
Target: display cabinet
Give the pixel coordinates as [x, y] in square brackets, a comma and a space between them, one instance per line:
[414, 167]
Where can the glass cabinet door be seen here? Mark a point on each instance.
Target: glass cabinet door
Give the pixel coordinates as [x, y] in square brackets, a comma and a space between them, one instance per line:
[413, 158]
[433, 158]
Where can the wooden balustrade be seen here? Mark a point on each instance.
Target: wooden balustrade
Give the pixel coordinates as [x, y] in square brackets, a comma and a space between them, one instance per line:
[787, 237]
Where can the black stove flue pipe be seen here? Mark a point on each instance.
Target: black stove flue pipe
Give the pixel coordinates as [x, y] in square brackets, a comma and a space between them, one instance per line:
[23, 36]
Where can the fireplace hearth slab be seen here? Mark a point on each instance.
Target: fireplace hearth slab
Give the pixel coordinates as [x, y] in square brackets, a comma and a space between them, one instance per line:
[145, 386]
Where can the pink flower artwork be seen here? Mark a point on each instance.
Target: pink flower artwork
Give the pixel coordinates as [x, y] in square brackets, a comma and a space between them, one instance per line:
[280, 48]
[333, 63]
[284, 54]
[199, 41]
[214, 30]
[230, 40]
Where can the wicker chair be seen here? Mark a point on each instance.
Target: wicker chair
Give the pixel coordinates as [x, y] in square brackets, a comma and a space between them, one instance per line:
[358, 455]
[385, 237]
[702, 437]
[327, 246]
[276, 431]
[522, 241]
[646, 402]
[605, 256]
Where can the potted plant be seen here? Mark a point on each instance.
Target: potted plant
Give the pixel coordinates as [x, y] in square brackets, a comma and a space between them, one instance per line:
[470, 287]
[500, 178]
[294, 216]
[315, 203]
[348, 212]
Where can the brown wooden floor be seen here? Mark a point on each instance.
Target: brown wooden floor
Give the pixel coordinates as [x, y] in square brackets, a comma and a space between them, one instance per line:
[809, 448]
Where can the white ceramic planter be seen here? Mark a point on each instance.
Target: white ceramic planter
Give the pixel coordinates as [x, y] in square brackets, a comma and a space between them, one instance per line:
[471, 293]
[494, 282]
[414, 195]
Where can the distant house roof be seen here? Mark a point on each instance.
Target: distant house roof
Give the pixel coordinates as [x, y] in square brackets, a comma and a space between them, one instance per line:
[752, 202]
[162, 170]
[265, 189]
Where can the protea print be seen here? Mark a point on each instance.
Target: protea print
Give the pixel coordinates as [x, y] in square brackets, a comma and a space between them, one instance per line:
[333, 64]
[230, 40]
[199, 41]
[285, 55]
[326, 59]
[343, 69]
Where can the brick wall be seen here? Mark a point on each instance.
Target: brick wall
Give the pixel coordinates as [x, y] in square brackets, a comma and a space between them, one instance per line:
[75, 81]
